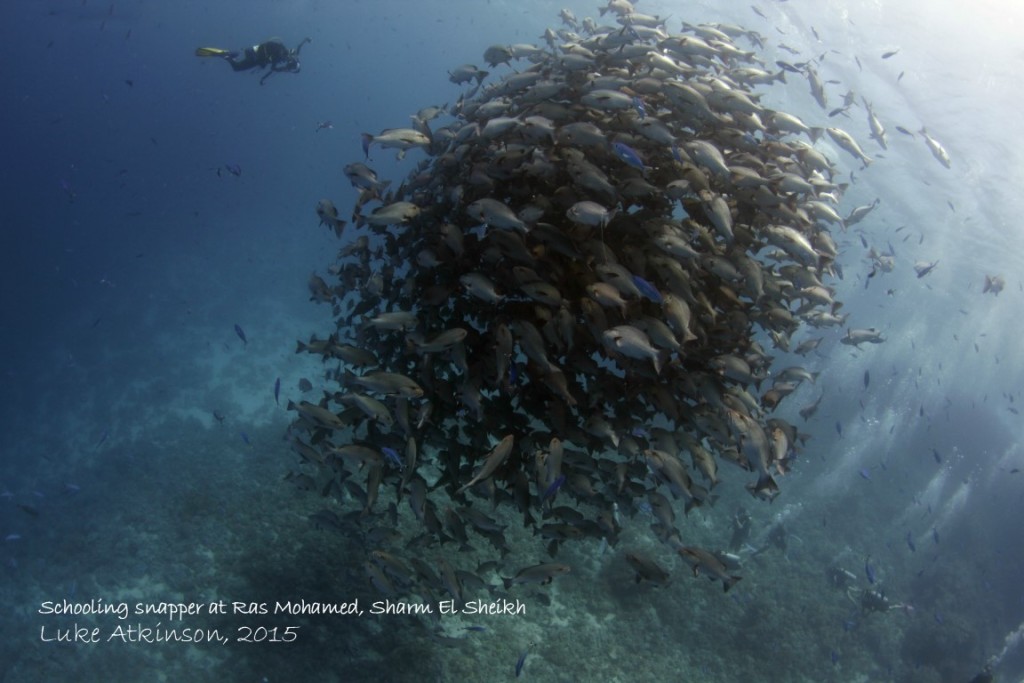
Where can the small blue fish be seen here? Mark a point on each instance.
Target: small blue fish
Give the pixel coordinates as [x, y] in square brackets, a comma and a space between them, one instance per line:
[910, 543]
[520, 663]
[638, 105]
[869, 571]
[392, 456]
[647, 289]
[839, 429]
[676, 154]
[835, 657]
[478, 629]
[12, 537]
[640, 432]
[553, 488]
[849, 625]
[935, 535]
[277, 390]
[241, 334]
[938, 617]
[233, 169]
[245, 438]
[628, 155]
[866, 474]
[935, 454]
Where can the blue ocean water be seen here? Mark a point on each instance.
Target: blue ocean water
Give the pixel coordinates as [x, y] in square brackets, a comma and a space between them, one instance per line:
[154, 200]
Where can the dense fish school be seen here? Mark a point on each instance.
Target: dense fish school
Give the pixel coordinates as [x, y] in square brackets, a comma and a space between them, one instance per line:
[563, 315]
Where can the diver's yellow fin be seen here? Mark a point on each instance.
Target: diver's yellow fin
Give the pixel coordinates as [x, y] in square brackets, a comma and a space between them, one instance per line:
[211, 52]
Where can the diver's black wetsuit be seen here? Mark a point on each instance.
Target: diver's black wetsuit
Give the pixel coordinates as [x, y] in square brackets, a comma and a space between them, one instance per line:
[272, 53]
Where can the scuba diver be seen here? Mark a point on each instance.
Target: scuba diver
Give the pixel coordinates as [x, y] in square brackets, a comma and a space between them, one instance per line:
[740, 528]
[840, 578]
[872, 600]
[271, 53]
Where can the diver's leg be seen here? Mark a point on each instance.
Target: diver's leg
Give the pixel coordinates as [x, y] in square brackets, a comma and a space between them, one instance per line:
[247, 61]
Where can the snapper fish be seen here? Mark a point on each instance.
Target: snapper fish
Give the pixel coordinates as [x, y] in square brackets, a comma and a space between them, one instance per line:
[396, 213]
[495, 214]
[631, 342]
[647, 570]
[541, 574]
[328, 214]
[494, 460]
[465, 73]
[937, 150]
[402, 139]
[701, 560]
[846, 142]
[922, 268]
[994, 284]
[365, 178]
[589, 213]
[856, 337]
[877, 129]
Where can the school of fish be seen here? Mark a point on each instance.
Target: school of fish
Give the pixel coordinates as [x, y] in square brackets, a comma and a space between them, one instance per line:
[563, 314]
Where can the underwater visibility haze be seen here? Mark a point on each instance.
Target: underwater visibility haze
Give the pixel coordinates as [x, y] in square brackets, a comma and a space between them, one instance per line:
[474, 341]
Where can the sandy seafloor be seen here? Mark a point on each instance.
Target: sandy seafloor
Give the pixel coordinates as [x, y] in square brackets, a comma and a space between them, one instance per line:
[172, 506]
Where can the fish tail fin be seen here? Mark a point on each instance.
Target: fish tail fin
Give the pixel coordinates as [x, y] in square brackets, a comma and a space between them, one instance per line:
[300, 347]
[816, 133]
[506, 582]
[659, 360]
[729, 582]
[367, 140]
